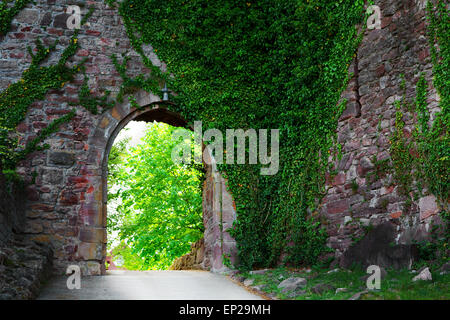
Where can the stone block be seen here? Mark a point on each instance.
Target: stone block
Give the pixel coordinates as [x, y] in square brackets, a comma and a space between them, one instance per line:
[337, 207]
[46, 19]
[34, 226]
[93, 235]
[378, 248]
[52, 176]
[117, 113]
[353, 110]
[96, 218]
[217, 263]
[93, 268]
[61, 158]
[42, 238]
[28, 16]
[396, 215]
[89, 251]
[42, 207]
[60, 21]
[68, 198]
[104, 123]
[339, 179]
[365, 165]
[428, 207]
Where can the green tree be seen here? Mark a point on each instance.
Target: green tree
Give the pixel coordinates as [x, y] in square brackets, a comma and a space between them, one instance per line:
[160, 210]
[130, 260]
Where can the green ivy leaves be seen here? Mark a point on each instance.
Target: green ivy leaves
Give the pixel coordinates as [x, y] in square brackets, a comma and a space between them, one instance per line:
[266, 64]
[35, 83]
[8, 12]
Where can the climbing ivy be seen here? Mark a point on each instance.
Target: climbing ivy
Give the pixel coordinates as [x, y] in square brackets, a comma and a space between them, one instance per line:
[425, 158]
[422, 161]
[131, 85]
[434, 145]
[8, 12]
[90, 102]
[402, 152]
[35, 83]
[265, 64]
[53, 127]
[244, 64]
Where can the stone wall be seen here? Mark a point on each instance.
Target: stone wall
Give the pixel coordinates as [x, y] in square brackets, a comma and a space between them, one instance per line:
[12, 209]
[24, 267]
[219, 213]
[66, 206]
[353, 201]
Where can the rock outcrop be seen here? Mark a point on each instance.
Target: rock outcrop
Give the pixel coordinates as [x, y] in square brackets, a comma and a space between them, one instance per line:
[193, 260]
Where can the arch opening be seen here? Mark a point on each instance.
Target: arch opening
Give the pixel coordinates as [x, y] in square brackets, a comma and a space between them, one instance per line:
[154, 209]
[218, 209]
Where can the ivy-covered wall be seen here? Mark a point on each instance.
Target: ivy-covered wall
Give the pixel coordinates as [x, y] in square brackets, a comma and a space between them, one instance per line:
[388, 65]
[241, 69]
[58, 178]
[69, 117]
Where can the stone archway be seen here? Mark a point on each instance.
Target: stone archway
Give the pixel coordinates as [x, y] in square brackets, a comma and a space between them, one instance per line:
[218, 209]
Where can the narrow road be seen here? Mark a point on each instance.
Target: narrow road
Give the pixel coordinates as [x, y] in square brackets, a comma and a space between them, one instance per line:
[149, 285]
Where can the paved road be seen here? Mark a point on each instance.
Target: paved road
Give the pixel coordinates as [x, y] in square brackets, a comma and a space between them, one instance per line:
[149, 285]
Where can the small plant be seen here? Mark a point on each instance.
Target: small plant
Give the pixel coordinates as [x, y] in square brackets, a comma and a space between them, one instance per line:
[354, 186]
[226, 259]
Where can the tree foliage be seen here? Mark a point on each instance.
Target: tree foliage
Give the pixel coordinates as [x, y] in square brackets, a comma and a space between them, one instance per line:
[160, 209]
[124, 257]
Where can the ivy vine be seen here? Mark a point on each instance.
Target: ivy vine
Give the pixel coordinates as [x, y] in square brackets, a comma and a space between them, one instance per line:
[257, 65]
[36, 81]
[8, 12]
[264, 64]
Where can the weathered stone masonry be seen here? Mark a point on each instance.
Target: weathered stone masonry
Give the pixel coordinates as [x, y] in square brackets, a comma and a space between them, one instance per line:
[398, 47]
[66, 204]
[24, 265]
[12, 209]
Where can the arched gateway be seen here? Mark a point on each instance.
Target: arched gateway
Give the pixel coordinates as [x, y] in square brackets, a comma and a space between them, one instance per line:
[66, 200]
[66, 183]
[218, 210]
[90, 193]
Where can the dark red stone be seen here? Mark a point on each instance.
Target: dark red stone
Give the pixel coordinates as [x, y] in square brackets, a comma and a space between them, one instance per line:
[68, 198]
[339, 206]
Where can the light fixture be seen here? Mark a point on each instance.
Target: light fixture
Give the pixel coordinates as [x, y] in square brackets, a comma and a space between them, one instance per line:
[165, 92]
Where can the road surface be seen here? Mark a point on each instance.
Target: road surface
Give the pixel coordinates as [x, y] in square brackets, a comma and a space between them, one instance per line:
[149, 285]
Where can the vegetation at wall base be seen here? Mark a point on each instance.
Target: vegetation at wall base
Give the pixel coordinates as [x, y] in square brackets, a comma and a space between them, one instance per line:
[339, 284]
